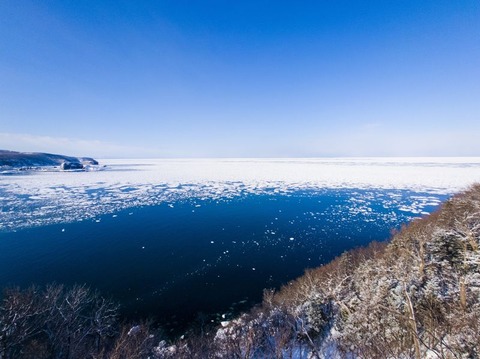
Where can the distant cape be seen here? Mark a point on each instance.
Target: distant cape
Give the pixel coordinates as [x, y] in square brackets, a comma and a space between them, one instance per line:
[16, 160]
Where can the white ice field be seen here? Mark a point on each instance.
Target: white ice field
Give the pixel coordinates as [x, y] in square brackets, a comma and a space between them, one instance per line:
[45, 197]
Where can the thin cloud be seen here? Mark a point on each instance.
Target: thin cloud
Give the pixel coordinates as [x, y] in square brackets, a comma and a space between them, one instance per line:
[71, 146]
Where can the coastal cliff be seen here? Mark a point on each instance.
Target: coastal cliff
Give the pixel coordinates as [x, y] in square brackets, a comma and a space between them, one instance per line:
[12, 160]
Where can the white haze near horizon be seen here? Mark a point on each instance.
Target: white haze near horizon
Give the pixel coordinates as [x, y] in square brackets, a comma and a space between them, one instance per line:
[46, 197]
[359, 142]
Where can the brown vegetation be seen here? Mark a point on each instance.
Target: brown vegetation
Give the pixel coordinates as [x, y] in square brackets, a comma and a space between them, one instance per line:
[56, 322]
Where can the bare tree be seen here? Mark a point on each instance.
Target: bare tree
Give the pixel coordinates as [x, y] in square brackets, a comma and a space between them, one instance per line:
[21, 319]
[61, 323]
[133, 342]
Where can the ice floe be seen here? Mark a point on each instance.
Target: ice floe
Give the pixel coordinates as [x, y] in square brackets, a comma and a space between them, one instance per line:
[41, 198]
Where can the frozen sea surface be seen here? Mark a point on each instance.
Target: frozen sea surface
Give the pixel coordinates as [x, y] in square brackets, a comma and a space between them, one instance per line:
[43, 198]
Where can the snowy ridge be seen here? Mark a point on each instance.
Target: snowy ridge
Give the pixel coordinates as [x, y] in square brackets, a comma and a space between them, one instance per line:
[50, 197]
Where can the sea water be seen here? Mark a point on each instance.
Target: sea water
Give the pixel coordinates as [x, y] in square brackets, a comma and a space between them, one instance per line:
[196, 258]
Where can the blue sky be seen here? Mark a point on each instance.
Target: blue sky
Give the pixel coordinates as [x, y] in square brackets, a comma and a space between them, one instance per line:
[240, 79]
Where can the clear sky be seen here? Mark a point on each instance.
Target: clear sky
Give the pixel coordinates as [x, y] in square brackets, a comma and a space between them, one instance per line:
[240, 78]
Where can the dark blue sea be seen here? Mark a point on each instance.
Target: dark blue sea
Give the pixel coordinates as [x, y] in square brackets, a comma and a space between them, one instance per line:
[180, 261]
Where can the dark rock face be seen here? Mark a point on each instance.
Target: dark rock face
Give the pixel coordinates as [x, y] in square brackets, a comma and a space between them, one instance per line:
[32, 160]
[71, 166]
